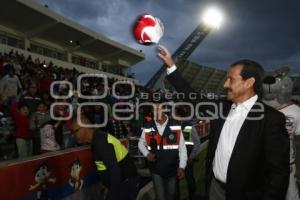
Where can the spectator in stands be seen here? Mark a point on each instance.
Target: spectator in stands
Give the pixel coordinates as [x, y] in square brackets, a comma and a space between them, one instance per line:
[37, 61]
[35, 80]
[66, 131]
[26, 79]
[31, 98]
[98, 117]
[109, 108]
[9, 86]
[17, 67]
[75, 100]
[48, 139]
[116, 169]
[2, 100]
[20, 116]
[63, 88]
[117, 128]
[46, 98]
[38, 119]
[162, 143]
[44, 83]
[29, 60]
[88, 112]
[60, 111]
[135, 125]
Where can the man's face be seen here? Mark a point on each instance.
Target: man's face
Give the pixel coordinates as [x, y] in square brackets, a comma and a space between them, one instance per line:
[234, 84]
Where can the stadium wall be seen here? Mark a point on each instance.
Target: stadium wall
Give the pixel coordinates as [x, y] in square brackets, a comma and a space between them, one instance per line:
[53, 175]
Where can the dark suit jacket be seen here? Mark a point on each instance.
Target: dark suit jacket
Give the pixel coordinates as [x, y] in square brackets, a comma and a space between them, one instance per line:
[259, 165]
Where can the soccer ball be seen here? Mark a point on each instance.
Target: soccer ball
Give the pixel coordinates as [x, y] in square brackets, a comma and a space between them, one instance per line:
[148, 30]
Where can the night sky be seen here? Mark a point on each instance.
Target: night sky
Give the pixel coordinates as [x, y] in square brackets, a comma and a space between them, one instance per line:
[267, 31]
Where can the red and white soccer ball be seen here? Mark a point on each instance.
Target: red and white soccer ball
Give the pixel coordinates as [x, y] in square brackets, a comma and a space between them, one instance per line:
[148, 30]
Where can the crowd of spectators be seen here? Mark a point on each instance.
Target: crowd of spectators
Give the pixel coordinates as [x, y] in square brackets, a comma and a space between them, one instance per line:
[29, 127]
[26, 125]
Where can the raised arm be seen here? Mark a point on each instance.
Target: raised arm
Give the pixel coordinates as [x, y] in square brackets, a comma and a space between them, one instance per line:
[207, 107]
[174, 77]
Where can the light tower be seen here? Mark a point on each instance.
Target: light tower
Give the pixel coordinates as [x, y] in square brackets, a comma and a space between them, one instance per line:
[211, 19]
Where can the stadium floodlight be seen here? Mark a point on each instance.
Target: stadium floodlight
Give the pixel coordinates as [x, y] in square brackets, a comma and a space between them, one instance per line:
[210, 20]
[213, 18]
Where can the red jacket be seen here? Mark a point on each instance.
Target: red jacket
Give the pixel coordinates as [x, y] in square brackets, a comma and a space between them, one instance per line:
[21, 123]
[44, 84]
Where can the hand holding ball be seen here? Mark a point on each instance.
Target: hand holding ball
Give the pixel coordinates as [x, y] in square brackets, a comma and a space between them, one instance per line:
[165, 55]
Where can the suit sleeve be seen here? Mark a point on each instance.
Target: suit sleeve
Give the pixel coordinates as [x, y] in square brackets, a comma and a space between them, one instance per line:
[179, 83]
[205, 106]
[276, 147]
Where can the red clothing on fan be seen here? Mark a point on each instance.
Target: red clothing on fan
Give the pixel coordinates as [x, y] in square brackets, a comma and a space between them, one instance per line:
[44, 84]
[21, 123]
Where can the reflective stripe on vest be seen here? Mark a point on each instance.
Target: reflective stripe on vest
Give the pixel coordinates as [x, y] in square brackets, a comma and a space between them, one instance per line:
[189, 143]
[148, 130]
[170, 146]
[149, 148]
[119, 148]
[175, 128]
[165, 147]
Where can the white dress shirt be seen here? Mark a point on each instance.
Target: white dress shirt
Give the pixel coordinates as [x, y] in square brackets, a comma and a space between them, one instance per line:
[171, 69]
[160, 128]
[228, 136]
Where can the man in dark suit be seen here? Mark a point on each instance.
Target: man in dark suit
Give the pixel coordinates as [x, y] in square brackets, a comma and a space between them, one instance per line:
[248, 151]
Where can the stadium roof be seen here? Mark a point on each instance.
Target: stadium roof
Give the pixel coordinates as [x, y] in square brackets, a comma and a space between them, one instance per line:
[202, 78]
[36, 21]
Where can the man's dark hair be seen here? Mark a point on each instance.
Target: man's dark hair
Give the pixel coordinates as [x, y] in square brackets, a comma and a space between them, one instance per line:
[251, 69]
